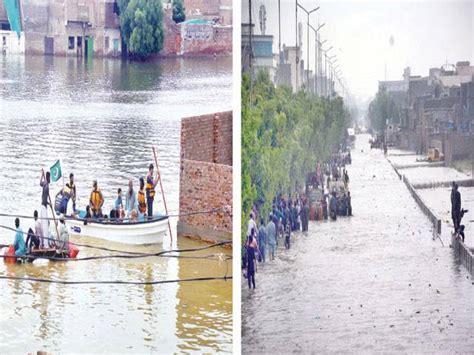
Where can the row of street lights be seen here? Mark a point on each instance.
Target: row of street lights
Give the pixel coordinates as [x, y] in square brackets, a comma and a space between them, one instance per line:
[333, 70]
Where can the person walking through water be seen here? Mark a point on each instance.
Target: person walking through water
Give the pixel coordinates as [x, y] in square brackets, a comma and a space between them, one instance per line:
[150, 189]
[44, 183]
[287, 235]
[272, 237]
[251, 258]
[262, 240]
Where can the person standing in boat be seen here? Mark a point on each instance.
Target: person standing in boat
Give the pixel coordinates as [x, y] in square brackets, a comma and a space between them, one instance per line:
[142, 201]
[150, 189]
[44, 183]
[68, 192]
[19, 242]
[96, 201]
[63, 241]
[130, 199]
[38, 228]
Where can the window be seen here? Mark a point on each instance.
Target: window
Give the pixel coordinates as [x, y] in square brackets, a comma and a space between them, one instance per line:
[79, 42]
[107, 43]
[71, 42]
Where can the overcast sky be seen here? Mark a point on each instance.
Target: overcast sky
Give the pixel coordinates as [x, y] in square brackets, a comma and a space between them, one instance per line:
[425, 34]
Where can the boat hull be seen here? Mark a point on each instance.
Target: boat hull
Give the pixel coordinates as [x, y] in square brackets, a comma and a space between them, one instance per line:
[139, 233]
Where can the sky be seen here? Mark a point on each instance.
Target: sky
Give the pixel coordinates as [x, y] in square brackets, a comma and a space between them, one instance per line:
[425, 34]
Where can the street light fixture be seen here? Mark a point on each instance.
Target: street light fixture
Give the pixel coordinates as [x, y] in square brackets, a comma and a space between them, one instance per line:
[307, 36]
[316, 45]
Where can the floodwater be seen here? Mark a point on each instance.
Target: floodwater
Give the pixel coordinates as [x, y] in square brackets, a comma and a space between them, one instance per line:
[372, 283]
[101, 119]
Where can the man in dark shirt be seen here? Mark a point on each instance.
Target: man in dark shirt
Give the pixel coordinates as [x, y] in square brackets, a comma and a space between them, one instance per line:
[44, 183]
[456, 207]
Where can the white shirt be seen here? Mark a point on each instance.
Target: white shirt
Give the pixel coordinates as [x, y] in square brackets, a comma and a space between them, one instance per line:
[252, 224]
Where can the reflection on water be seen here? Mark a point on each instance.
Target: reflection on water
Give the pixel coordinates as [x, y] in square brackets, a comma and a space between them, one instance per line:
[372, 283]
[101, 120]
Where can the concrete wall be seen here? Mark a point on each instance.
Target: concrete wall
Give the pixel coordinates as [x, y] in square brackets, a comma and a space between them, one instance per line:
[206, 177]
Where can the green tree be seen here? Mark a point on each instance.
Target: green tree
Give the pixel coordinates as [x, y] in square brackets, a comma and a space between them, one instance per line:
[141, 23]
[381, 108]
[283, 136]
[178, 11]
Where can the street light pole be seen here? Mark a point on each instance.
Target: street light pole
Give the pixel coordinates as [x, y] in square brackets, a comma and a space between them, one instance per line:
[316, 45]
[320, 63]
[326, 69]
[307, 39]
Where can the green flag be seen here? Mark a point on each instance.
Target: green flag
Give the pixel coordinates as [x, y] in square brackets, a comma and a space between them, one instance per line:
[55, 171]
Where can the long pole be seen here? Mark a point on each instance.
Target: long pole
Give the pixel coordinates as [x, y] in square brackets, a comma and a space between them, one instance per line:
[296, 42]
[54, 217]
[250, 40]
[307, 55]
[279, 32]
[162, 191]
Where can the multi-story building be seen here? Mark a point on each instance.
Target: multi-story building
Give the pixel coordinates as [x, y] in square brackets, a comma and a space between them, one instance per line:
[261, 53]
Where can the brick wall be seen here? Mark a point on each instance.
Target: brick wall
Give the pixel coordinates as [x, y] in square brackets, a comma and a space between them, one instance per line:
[206, 40]
[206, 176]
[207, 138]
[204, 186]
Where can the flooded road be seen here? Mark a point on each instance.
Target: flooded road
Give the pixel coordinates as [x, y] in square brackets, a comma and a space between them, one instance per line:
[101, 119]
[374, 282]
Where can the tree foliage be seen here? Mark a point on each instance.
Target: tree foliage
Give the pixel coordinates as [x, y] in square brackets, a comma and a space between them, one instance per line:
[283, 136]
[141, 23]
[178, 11]
[382, 107]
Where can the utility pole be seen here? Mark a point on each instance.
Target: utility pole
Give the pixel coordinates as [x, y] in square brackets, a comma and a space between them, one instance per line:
[250, 52]
[316, 59]
[307, 39]
[279, 32]
[296, 42]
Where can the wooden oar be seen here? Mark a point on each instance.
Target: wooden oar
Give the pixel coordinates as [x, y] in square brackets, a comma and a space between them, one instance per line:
[162, 192]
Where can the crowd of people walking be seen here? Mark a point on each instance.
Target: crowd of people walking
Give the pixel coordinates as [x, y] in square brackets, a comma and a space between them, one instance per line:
[291, 214]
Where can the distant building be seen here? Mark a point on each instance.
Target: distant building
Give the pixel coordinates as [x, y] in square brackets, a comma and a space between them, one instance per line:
[12, 38]
[262, 53]
[67, 27]
[291, 69]
[218, 11]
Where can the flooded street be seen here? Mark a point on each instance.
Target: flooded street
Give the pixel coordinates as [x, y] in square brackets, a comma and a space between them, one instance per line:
[374, 282]
[101, 119]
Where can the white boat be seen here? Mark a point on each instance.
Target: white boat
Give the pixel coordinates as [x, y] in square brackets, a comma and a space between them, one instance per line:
[145, 231]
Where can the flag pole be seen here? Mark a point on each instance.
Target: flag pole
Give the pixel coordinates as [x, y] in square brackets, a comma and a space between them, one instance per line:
[162, 192]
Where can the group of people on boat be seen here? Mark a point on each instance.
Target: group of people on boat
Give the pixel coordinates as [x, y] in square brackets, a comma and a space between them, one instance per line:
[137, 205]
